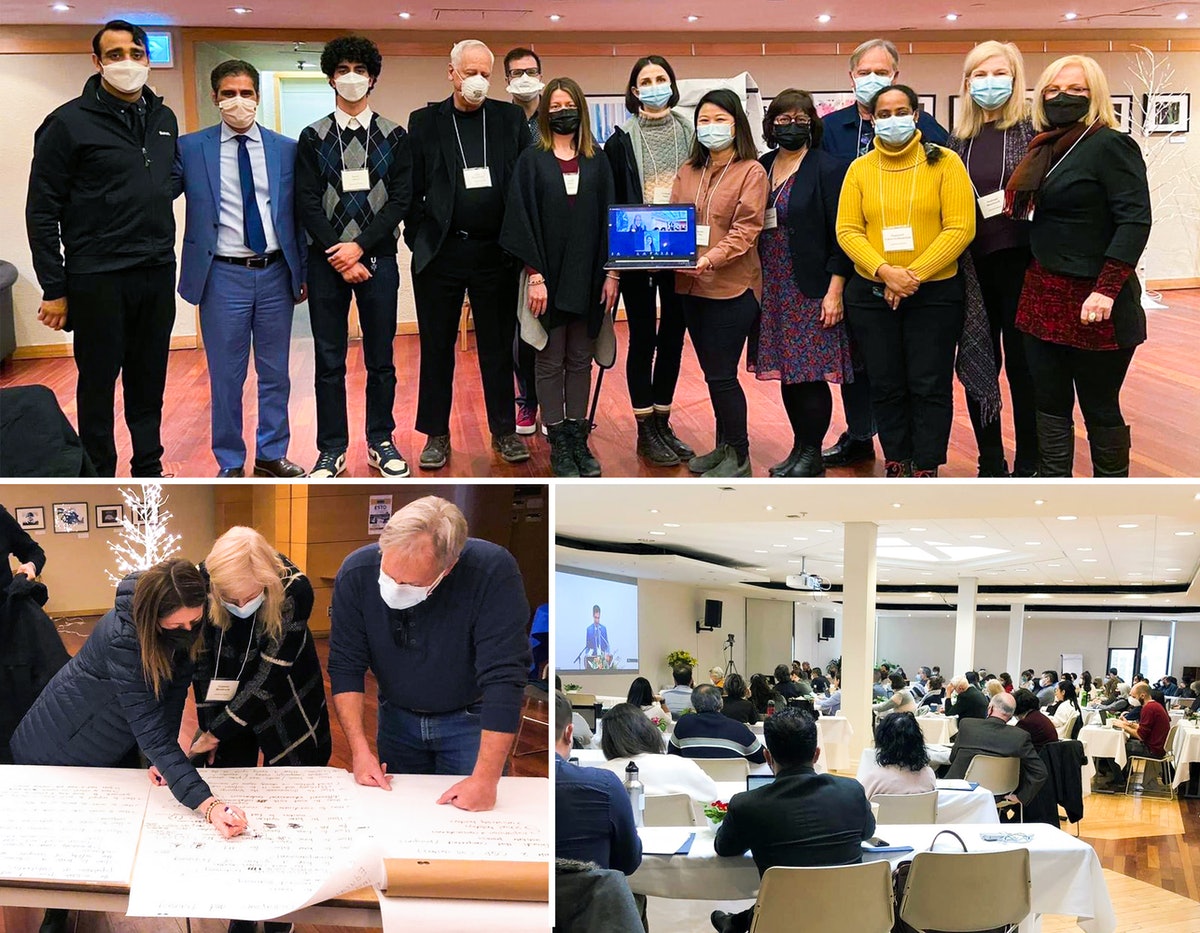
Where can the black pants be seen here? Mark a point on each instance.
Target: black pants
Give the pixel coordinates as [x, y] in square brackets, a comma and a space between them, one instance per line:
[656, 330]
[122, 323]
[719, 328]
[910, 360]
[1061, 373]
[564, 372]
[524, 357]
[1001, 275]
[329, 308]
[481, 270]
[809, 407]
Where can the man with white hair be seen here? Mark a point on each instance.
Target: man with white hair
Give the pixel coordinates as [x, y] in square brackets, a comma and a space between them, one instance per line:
[968, 700]
[440, 619]
[992, 736]
[465, 149]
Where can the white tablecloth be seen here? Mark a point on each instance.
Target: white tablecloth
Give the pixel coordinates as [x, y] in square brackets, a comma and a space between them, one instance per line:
[938, 730]
[1066, 874]
[954, 806]
[833, 737]
[1187, 751]
[591, 757]
[1104, 742]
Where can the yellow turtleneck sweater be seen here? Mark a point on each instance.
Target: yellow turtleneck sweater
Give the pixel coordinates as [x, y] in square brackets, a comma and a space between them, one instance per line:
[940, 209]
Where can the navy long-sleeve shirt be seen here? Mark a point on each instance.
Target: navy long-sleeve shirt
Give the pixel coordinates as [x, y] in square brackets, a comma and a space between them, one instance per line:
[847, 136]
[593, 818]
[465, 643]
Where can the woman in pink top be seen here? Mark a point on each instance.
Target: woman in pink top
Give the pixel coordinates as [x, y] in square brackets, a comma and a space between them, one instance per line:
[901, 763]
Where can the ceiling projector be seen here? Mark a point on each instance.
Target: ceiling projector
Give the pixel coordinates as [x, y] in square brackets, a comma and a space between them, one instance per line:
[807, 581]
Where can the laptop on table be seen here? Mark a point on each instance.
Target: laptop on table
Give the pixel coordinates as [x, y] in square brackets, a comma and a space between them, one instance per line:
[651, 237]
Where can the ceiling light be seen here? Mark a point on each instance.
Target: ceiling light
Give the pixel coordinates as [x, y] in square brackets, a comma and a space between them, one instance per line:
[825, 531]
[1083, 549]
[760, 551]
[795, 562]
[1171, 580]
[1069, 16]
[770, 508]
[1039, 501]
[1136, 573]
[1099, 578]
[554, 17]
[916, 529]
[670, 524]
[1054, 565]
[240, 10]
[658, 533]
[60, 7]
[654, 511]
[1128, 525]
[895, 505]
[927, 573]
[1032, 543]
[1174, 570]
[1181, 16]
[404, 15]
[1089, 560]
[778, 545]
[824, 18]
[952, 17]
[692, 17]
[1136, 596]
[1067, 518]
[800, 539]
[1021, 570]
[1184, 534]
[1069, 580]
[976, 537]
[1039, 596]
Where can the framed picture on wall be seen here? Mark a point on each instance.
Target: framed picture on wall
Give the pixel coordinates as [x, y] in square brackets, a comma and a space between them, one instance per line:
[110, 516]
[607, 112]
[1123, 108]
[138, 514]
[1166, 113]
[928, 104]
[70, 517]
[829, 101]
[31, 517]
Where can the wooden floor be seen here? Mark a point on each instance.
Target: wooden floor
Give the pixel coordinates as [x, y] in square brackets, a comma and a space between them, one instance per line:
[1161, 400]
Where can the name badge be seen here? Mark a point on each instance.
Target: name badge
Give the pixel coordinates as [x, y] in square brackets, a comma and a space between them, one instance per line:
[771, 219]
[477, 177]
[571, 182]
[662, 195]
[702, 234]
[898, 240]
[356, 179]
[221, 691]
[991, 205]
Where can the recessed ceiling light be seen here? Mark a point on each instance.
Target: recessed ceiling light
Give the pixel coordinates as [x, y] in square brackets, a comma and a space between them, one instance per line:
[1069, 580]
[952, 17]
[692, 17]
[241, 10]
[658, 533]
[1083, 549]
[916, 529]
[670, 524]
[825, 531]
[1089, 560]
[770, 508]
[1136, 573]
[1021, 570]
[1181, 15]
[404, 15]
[1099, 578]
[795, 562]
[1054, 565]
[824, 18]
[654, 511]
[927, 573]
[1172, 580]
[1067, 518]
[1184, 534]
[1039, 501]
[800, 539]
[1174, 570]
[895, 505]
[60, 7]
[1136, 596]
[1128, 525]
[554, 17]
[1039, 595]
[976, 537]
[1032, 543]
[1070, 15]
[778, 545]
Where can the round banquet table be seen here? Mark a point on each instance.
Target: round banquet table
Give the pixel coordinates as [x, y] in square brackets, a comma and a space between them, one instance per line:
[938, 729]
[954, 806]
[833, 738]
[1104, 742]
[1187, 751]
[591, 757]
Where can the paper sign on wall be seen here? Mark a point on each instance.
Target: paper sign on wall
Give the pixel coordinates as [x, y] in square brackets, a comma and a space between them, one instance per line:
[379, 510]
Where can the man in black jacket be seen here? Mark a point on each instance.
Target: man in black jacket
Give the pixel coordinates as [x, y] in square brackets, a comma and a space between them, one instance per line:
[102, 233]
[969, 701]
[992, 736]
[464, 152]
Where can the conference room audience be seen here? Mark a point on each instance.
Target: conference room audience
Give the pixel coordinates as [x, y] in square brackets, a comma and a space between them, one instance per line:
[831, 705]
[762, 694]
[642, 695]
[787, 683]
[1049, 686]
[992, 736]
[1147, 736]
[679, 697]
[1066, 705]
[736, 706]
[717, 676]
[992, 686]
[1006, 682]
[801, 819]
[629, 736]
[1030, 717]
[720, 296]
[964, 699]
[901, 700]
[707, 734]
[880, 687]
[935, 693]
[901, 763]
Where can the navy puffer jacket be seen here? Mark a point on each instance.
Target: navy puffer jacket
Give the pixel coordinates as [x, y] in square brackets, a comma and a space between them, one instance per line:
[99, 706]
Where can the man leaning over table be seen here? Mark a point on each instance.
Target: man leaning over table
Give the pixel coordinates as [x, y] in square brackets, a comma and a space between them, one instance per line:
[440, 619]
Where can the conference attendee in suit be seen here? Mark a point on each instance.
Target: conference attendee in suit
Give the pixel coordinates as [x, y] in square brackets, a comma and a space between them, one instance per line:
[102, 233]
[597, 634]
[969, 701]
[465, 151]
[848, 134]
[16, 542]
[992, 736]
[353, 186]
[243, 263]
[801, 819]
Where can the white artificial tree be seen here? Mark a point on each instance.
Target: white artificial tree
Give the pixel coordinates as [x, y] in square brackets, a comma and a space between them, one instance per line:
[141, 546]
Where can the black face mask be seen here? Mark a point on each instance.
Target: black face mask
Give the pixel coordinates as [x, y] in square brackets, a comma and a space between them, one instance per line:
[1064, 109]
[178, 639]
[793, 137]
[564, 122]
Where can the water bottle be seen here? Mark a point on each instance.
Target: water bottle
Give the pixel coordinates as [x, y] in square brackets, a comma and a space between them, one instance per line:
[637, 793]
[770, 707]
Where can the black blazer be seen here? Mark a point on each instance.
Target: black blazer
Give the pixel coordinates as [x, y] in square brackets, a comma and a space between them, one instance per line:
[811, 221]
[435, 160]
[16, 540]
[993, 736]
[970, 704]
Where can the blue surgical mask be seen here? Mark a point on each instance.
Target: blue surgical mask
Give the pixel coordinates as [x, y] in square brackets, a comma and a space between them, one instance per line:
[867, 86]
[246, 611]
[991, 92]
[654, 96]
[715, 136]
[896, 131]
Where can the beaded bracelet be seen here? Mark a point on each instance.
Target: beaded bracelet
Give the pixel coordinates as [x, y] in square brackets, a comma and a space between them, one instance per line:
[208, 811]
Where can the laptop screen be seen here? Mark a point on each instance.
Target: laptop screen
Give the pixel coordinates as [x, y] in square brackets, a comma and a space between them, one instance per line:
[642, 233]
[758, 780]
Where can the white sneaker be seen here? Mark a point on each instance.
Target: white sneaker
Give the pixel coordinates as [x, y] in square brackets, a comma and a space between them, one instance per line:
[328, 466]
[387, 460]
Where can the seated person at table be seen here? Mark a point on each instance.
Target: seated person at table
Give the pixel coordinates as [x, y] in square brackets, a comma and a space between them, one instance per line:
[642, 695]
[992, 687]
[736, 706]
[593, 820]
[679, 697]
[900, 700]
[820, 683]
[992, 736]
[1030, 718]
[832, 704]
[628, 737]
[881, 688]
[1168, 685]
[935, 693]
[1191, 691]
[583, 736]
[1147, 738]
[707, 734]
[787, 683]
[1049, 684]
[968, 700]
[901, 764]
[802, 819]
[762, 693]
[717, 676]
[1066, 705]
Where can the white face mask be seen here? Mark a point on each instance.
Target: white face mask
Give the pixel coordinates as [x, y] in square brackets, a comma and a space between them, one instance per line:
[352, 87]
[404, 595]
[246, 611]
[524, 87]
[238, 112]
[127, 76]
[475, 88]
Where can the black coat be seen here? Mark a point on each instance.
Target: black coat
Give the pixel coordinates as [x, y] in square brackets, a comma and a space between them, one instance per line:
[36, 439]
[969, 704]
[435, 162]
[993, 736]
[15, 540]
[31, 653]
[811, 221]
[1064, 763]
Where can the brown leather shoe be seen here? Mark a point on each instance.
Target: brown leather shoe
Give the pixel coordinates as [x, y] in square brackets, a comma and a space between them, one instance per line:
[283, 468]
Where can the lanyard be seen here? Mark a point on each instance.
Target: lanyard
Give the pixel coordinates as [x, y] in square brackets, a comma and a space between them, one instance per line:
[341, 146]
[221, 644]
[911, 198]
[783, 184]
[1069, 151]
[859, 149]
[1003, 155]
[650, 149]
[461, 151]
[710, 191]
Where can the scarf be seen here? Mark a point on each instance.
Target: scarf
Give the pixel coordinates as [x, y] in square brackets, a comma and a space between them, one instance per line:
[1045, 150]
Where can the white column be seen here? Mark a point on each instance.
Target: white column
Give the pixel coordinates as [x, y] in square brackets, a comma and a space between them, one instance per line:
[1016, 631]
[858, 631]
[964, 629]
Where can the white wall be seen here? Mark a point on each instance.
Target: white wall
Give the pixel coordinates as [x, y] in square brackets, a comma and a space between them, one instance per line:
[1186, 647]
[768, 635]
[913, 642]
[806, 628]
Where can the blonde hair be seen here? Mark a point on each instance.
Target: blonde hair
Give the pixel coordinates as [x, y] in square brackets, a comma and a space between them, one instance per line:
[1101, 108]
[242, 558]
[971, 121]
[159, 591]
[439, 521]
[994, 687]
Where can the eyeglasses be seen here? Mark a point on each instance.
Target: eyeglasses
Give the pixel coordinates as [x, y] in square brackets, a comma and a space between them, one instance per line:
[789, 120]
[531, 72]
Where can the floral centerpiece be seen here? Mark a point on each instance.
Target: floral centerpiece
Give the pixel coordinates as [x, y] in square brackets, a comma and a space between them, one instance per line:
[715, 812]
[661, 722]
[679, 656]
[570, 688]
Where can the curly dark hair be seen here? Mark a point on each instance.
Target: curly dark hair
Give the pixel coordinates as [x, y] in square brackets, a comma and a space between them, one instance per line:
[627, 732]
[357, 50]
[899, 742]
[640, 693]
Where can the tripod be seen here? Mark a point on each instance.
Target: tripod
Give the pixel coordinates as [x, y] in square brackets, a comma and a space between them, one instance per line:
[730, 665]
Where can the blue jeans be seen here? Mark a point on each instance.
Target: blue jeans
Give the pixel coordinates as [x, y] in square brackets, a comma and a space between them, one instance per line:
[428, 743]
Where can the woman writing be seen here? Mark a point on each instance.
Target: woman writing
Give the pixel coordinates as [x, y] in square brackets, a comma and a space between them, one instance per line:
[1083, 184]
[802, 341]
[556, 224]
[720, 296]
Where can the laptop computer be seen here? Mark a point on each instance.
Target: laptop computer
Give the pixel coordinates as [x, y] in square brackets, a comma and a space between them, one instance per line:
[651, 236]
[758, 780]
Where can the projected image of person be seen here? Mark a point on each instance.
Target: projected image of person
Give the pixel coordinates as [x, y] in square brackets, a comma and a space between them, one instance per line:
[597, 646]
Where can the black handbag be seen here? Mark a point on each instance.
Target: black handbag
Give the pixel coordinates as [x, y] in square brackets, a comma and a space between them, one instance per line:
[900, 882]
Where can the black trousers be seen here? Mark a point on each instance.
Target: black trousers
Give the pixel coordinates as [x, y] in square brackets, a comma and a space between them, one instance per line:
[910, 360]
[481, 270]
[1001, 275]
[122, 324]
[329, 309]
[656, 330]
[1061, 373]
[719, 328]
[524, 360]
[809, 407]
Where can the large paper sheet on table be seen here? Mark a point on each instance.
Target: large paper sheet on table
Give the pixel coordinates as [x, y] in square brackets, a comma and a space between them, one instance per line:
[306, 842]
[70, 824]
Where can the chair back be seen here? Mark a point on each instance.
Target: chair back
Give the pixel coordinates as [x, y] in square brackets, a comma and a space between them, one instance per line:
[998, 776]
[668, 810]
[847, 897]
[999, 883]
[1067, 727]
[1170, 746]
[725, 770]
[907, 808]
[582, 699]
[591, 712]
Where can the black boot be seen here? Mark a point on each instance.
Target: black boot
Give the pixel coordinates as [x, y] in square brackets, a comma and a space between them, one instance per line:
[809, 463]
[1110, 450]
[783, 467]
[54, 920]
[847, 451]
[562, 458]
[587, 465]
[662, 421]
[992, 464]
[650, 443]
[1056, 445]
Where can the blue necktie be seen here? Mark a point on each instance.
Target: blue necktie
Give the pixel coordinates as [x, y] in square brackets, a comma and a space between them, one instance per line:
[253, 234]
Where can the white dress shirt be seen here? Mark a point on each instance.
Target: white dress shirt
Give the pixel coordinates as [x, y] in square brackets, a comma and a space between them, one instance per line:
[231, 239]
[347, 122]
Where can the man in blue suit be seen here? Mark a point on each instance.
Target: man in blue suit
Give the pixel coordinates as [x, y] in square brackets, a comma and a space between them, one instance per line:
[597, 636]
[244, 266]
